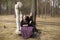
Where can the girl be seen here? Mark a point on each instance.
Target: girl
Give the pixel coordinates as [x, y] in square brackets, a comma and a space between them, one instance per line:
[18, 14]
[26, 30]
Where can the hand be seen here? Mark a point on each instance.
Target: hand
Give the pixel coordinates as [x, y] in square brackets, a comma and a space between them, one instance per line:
[30, 22]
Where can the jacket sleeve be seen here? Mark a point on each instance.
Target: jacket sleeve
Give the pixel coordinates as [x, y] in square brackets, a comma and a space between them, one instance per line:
[21, 23]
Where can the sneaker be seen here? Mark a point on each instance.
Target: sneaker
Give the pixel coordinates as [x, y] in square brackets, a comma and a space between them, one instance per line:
[18, 32]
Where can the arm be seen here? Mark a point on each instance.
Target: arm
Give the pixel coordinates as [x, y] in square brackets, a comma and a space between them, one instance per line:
[23, 24]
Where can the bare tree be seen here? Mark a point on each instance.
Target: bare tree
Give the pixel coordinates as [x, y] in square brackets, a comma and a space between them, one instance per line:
[0, 7]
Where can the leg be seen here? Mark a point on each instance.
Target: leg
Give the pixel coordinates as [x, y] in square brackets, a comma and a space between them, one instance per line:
[18, 23]
[35, 29]
[20, 19]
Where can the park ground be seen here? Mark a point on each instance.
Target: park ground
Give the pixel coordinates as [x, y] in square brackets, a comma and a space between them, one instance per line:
[49, 28]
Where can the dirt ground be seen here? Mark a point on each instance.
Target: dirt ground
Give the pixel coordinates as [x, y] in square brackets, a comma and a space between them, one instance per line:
[49, 28]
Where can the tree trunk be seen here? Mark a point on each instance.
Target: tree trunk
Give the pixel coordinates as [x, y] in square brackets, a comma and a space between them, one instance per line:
[0, 6]
[35, 10]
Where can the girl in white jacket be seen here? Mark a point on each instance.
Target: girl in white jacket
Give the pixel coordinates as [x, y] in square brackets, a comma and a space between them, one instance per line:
[18, 13]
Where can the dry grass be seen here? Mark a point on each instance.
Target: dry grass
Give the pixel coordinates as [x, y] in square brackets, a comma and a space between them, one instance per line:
[48, 32]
